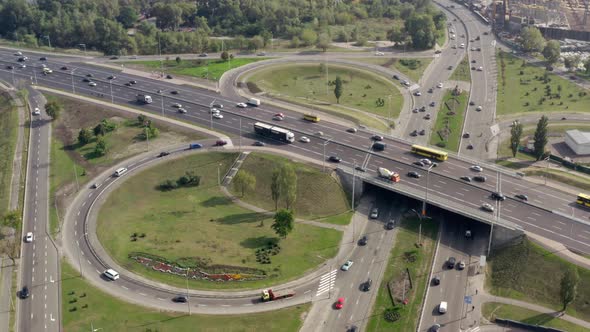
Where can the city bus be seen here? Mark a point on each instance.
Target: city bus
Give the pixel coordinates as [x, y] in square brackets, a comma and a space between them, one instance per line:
[311, 117]
[430, 153]
[583, 200]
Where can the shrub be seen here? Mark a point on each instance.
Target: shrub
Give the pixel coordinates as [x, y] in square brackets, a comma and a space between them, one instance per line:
[167, 185]
[392, 314]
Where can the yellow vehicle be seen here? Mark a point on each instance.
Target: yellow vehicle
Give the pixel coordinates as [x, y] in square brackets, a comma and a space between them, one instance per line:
[430, 153]
[311, 117]
[583, 200]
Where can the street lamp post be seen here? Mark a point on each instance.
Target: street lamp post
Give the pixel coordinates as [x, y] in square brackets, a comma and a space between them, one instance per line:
[211, 112]
[83, 45]
[72, 75]
[162, 99]
[389, 109]
[111, 86]
[324, 159]
[80, 253]
[188, 298]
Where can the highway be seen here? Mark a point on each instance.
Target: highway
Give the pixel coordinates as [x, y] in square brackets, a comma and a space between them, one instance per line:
[39, 267]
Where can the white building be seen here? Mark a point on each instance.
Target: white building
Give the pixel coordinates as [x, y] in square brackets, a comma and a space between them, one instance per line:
[578, 141]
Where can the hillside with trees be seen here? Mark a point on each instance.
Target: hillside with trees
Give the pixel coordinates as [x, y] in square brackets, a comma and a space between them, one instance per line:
[178, 26]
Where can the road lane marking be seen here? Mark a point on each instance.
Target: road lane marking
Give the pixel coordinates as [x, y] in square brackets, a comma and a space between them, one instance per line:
[561, 229]
[142, 294]
[125, 288]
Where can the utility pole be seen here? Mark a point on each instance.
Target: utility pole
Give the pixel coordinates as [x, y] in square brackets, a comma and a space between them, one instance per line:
[188, 298]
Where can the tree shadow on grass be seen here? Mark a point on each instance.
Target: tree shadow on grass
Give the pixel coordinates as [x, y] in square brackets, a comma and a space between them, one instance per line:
[258, 242]
[242, 218]
[540, 319]
[216, 201]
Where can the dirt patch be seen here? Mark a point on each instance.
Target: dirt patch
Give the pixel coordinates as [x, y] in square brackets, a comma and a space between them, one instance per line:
[389, 63]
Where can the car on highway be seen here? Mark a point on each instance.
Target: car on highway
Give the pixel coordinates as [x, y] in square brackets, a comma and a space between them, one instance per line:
[24, 292]
[377, 138]
[18, 53]
[304, 139]
[335, 159]
[522, 197]
[360, 169]
[450, 67]
[217, 105]
[128, 84]
[278, 118]
[414, 133]
[180, 299]
[91, 84]
[437, 52]
[414, 174]
[85, 79]
[479, 178]
[374, 213]
[431, 90]
[281, 115]
[473, 61]
[390, 225]
[466, 135]
[435, 328]
[472, 103]
[480, 68]
[417, 93]
[320, 133]
[43, 58]
[111, 274]
[367, 285]
[422, 109]
[96, 185]
[468, 234]
[346, 266]
[379, 53]
[364, 240]
[415, 110]
[436, 280]
[461, 265]
[432, 104]
[451, 262]
[261, 54]
[36, 111]
[174, 92]
[241, 105]
[339, 304]
[182, 110]
[353, 328]
[29, 237]
[419, 163]
[64, 68]
[487, 207]
[177, 105]
[133, 82]
[498, 196]
[476, 168]
[218, 116]
[169, 77]
[10, 67]
[466, 178]
[114, 57]
[351, 130]
[439, 85]
[462, 45]
[203, 55]
[258, 143]
[479, 108]
[395, 77]
[478, 49]
[89, 75]
[220, 142]
[112, 77]
[426, 161]
[22, 66]
[214, 110]
[163, 154]
[422, 132]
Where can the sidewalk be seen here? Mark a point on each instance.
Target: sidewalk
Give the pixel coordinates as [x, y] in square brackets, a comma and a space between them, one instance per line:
[5, 293]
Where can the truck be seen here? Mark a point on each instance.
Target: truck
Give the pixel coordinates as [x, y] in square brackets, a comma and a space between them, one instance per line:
[277, 133]
[389, 175]
[270, 295]
[144, 99]
[253, 102]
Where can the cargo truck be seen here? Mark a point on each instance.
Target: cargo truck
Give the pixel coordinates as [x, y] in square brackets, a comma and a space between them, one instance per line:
[270, 295]
[389, 175]
[144, 99]
[254, 101]
[273, 132]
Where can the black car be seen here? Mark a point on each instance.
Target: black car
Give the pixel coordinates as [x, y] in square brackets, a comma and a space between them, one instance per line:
[422, 132]
[466, 135]
[114, 57]
[127, 84]
[395, 77]
[414, 133]
[24, 292]
[64, 68]
[451, 262]
[360, 169]
[413, 174]
[389, 225]
[163, 154]
[169, 77]
[85, 79]
[258, 143]
[133, 82]
[472, 103]
[9, 67]
[363, 241]
[367, 285]
[379, 146]
[423, 109]
[377, 138]
[498, 196]
[436, 280]
[432, 104]
[480, 178]
[202, 55]
[42, 58]
[180, 299]
[335, 159]
[353, 329]
[174, 92]
[522, 196]
[89, 75]
[466, 178]
[112, 77]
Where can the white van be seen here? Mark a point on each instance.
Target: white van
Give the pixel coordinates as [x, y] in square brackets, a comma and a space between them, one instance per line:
[120, 171]
[111, 274]
[442, 307]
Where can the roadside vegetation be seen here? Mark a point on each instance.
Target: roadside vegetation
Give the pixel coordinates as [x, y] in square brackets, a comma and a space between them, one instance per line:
[462, 72]
[412, 68]
[362, 92]
[8, 135]
[520, 271]
[211, 69]
[494, 310]
[446, 133]
[83, 304]
[390, 314]
[318, 195]
[524, 88]
[198, 226]
[120, 136]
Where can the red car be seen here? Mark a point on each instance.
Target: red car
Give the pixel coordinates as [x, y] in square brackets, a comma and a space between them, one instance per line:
[220, 143]
[340, 303]
[280, 115]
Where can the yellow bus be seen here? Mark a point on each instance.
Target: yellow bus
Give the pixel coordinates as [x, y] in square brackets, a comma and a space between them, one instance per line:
[311, 117]
[428, 152]
[583, 200]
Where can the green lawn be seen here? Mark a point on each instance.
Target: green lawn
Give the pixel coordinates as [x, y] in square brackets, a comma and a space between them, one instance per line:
[202, 68]
[405, 241]
[307, 84]
[524, 93]
[462, 72]
[201, 222]
[412, 68]
[447, 129]
[527, 272]
[338, 219]
[111, 314]
[8, 135]
[571, 179]
[493, 310]
[318, 194]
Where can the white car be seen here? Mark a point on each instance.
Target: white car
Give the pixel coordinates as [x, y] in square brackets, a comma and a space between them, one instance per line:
[304, 139]
[379, 53]
[439, 85]
[347, 265]
[426, 161]
[462, 46]
[111, 274]
[213, 111]
[92, 84]
[478, 108]
[22, 65]
[181, 110]
[241, 105]
[177, 105]
[487, 207]
[18, 53]
[29, 237]
[476, 168]
[37, 111]
[480, 69]
[218, 116]
[417, 93]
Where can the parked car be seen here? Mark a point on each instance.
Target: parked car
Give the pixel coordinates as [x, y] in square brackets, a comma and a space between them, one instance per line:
[451, 262]
[436, 280]
[24, 292]
[339, 304]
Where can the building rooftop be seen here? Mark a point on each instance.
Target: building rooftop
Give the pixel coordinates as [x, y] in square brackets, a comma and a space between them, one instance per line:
[579, 137]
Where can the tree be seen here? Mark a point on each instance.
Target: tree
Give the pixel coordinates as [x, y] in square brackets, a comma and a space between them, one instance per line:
[288, 184]
[141, 119]
[84, 136]
[323, 41]
[587, 65]
[283, 222]
[275, 187]
[245, 181]
[338, 89]
[53, 109]
[569, 286]
[422, 31]
[256, 43]
[101, 147]
[295, 42]
[224, 56]
[168, 15]
[396, 34]
[308, 37]
[100, 129]
[552, 51]
[11, 219]
[9, 247]
[571, 62]
[541, 137]
[531, 39]
[178, 60]
[515, 135]
[127, 16]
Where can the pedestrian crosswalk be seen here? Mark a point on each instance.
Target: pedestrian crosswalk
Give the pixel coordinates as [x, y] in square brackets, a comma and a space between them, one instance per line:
[326, 282]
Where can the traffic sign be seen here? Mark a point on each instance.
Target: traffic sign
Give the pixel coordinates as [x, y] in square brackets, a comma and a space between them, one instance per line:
[467, 299]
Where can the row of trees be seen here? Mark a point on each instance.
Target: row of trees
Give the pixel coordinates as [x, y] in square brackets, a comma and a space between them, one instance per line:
[540, 137]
